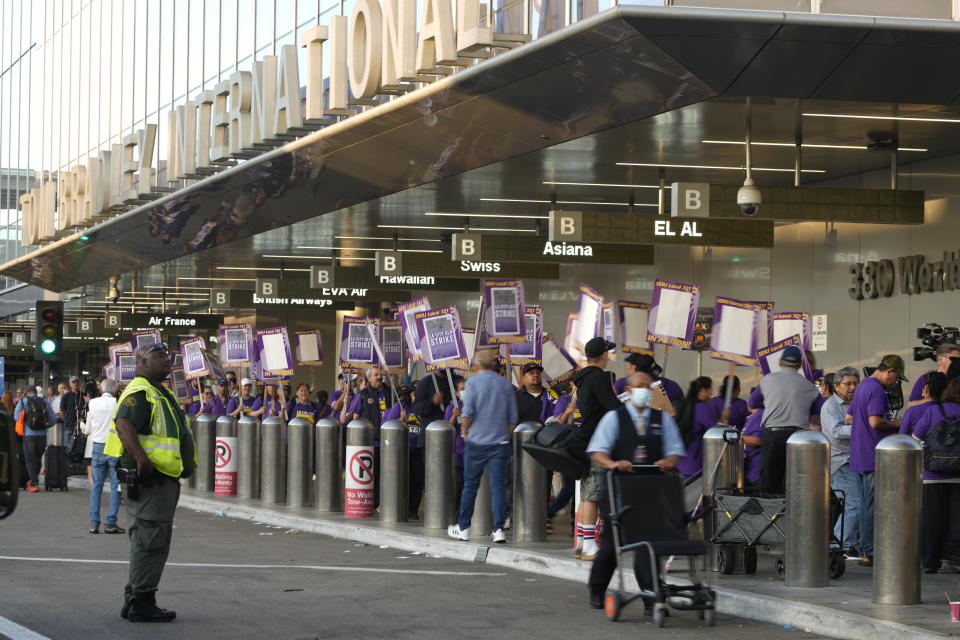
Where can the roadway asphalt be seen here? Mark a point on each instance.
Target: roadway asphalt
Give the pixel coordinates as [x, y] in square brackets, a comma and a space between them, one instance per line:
[233, 579]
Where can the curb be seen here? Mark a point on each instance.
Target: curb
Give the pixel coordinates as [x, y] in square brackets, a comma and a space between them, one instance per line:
[825, 621]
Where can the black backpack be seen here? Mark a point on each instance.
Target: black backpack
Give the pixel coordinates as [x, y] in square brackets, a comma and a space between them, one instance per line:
[560, 447]
[941, 446]
[36, 414]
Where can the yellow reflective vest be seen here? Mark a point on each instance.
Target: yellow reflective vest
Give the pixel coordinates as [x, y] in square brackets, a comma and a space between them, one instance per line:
[162, 444]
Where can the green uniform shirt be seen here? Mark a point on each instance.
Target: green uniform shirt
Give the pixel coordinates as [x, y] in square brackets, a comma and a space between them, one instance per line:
[136, 409]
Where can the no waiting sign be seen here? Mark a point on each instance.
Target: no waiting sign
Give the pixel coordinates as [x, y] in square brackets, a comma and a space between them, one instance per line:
[358, 485]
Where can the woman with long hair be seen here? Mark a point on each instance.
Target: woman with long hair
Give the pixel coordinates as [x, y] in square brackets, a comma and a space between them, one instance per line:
[698, 415]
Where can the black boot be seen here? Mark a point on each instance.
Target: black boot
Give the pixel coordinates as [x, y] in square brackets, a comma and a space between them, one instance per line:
[596, 596]
[146, 611]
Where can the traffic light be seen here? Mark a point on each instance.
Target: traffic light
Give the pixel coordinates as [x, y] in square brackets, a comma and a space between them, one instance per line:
[49, 343]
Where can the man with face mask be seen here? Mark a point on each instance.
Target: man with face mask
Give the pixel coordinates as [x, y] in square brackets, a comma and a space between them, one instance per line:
[631, 434]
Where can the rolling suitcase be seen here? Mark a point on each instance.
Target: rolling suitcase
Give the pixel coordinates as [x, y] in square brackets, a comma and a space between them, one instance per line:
[55, 461]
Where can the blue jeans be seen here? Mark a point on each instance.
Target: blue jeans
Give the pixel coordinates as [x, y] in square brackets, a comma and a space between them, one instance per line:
[103, 465]
[868, 482]
[475, 458]
[848, 481]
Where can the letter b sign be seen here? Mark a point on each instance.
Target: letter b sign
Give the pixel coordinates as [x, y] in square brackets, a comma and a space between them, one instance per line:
[321, 277]
[267, 287]
[388, 263]
[565, 226]
[466, 246]
[220, 298]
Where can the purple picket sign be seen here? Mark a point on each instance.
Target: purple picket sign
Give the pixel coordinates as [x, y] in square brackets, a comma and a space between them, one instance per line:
[309, 348]
[442, 344]
[634, 317]
[407, 311]
[673, 313]
[735, 331]
[531, 350]
[589, 318]
[769, 356]
[356, 347]
[788, 323]
[274, 347]
[504, 302]
[237, 344]
[144, 338]
[194, 359]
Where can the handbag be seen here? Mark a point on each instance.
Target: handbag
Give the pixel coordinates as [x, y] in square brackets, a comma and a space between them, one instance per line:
[560, 447]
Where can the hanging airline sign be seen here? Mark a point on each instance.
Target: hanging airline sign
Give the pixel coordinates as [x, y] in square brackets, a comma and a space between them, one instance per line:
[673, 313]
[630, 228]
[171, 323]
[529, 248]
[437, 265]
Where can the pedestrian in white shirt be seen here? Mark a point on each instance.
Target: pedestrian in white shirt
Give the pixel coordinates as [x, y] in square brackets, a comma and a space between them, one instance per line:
[99, 417]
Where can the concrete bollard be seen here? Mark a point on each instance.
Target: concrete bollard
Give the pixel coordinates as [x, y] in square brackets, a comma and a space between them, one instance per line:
[439, 495]
[898, 500]
[329, 467]
[299, 462]
[808, 507]
[394, 473]
[273, 463]
[206, 438]
[531, 482]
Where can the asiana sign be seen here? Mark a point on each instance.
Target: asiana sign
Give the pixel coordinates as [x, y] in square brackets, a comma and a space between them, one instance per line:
[380, 49]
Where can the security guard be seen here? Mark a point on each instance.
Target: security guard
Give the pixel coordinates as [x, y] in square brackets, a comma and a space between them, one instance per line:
[149, 434]
[632, 434]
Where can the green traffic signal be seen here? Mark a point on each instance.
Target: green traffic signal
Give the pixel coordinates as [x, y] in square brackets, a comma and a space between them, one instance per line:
[48, 346]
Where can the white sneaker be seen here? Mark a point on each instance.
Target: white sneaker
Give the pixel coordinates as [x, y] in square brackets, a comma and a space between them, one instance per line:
[590, 550]
[455, 532]
[499, 536]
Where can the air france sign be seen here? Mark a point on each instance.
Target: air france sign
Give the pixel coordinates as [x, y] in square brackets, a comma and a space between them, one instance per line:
[381, 48]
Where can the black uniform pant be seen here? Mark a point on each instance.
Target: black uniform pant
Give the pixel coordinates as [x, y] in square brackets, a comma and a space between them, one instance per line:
[773, 459]
[606, 561]
[417, 474]
[941, 523]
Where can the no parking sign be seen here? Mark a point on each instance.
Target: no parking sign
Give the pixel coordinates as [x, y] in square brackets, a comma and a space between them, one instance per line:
[225, 476]
[358, 487]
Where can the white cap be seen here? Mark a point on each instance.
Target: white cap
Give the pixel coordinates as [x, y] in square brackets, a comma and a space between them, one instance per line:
[39, 389]
[245, 382]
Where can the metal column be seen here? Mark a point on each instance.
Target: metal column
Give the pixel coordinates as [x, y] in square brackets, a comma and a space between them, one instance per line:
[206, 437]
[225, 462]
[394, 471]
[329, 467]
[897, 514]
[808, 506]
[248, 461]
[299, 462]
[722, 470]
[273, 463]
[438, 494]
[531, 486]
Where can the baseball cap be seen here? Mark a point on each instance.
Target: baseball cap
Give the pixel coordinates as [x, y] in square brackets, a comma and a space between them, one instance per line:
[245, 382]
[644, 362]
[74, 379]
[596, 347]
[531, 366]
[791, 356]
[222, 381]
[895, 362]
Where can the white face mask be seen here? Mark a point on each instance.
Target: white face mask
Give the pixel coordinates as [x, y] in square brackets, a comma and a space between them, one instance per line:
[640, 397]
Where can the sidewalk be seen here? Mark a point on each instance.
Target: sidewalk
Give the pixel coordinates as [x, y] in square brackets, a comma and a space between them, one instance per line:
[842, 610]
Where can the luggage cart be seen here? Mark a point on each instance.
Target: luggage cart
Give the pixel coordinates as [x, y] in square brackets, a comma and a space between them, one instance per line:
[648, 516]
[753, 521]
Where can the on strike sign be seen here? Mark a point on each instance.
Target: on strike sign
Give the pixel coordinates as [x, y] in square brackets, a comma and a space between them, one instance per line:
[358, 487]
[225, 475]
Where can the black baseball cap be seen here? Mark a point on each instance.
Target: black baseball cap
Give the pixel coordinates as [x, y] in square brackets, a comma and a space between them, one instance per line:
[596, 347]
[530, 366]
[644, 362]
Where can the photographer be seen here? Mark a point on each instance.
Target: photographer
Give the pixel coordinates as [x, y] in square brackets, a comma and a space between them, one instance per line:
[943, 355]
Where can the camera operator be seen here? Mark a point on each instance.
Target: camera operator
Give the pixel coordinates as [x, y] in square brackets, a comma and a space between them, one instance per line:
[943, 353]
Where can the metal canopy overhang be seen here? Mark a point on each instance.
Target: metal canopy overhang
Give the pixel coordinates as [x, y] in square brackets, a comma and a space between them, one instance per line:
[623, 66]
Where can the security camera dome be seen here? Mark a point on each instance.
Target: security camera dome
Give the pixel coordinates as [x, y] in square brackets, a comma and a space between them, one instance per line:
[749, 198]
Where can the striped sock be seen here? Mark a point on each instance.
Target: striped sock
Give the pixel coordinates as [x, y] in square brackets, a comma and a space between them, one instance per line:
[579, 537]
[589, 532]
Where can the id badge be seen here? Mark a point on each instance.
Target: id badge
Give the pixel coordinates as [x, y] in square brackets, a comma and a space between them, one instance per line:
[640, 455]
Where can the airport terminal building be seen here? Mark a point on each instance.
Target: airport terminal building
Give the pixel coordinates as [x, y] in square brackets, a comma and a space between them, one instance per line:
[194, 164]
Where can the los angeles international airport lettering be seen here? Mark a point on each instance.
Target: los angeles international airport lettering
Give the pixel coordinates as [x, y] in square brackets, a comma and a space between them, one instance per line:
[878, 278]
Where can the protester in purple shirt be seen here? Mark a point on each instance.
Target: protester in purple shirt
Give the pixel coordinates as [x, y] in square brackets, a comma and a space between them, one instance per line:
[702, 416]
[941, 492]
[452, 415]
[220, 401]
[869, 411]
[301, 407]
[561, 413]
[914, 413]
[323, 405]
[402, 411]
[268, 404]
[752, 437]
[738, 406]
[644, 363]
[242, 405]
[202, 406]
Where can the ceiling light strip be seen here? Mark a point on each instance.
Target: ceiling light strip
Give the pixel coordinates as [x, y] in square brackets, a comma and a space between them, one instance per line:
[413, 226]
[603, 204]
[806, 145]
[605, 184]
[385, 239]
[873, 117]
[485, 215]
[710, 166]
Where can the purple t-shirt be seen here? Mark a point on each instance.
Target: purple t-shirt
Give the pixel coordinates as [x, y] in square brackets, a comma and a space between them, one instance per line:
[273, 406]
[704, 417]
[247, 405]
[738, 410]
[561, 405]
[911, 417]
[932, 417]
[870, 399]
[917, 393]
[413, 422]
[818, 404]
[459, 442]
[751, 455]
[308, 412]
